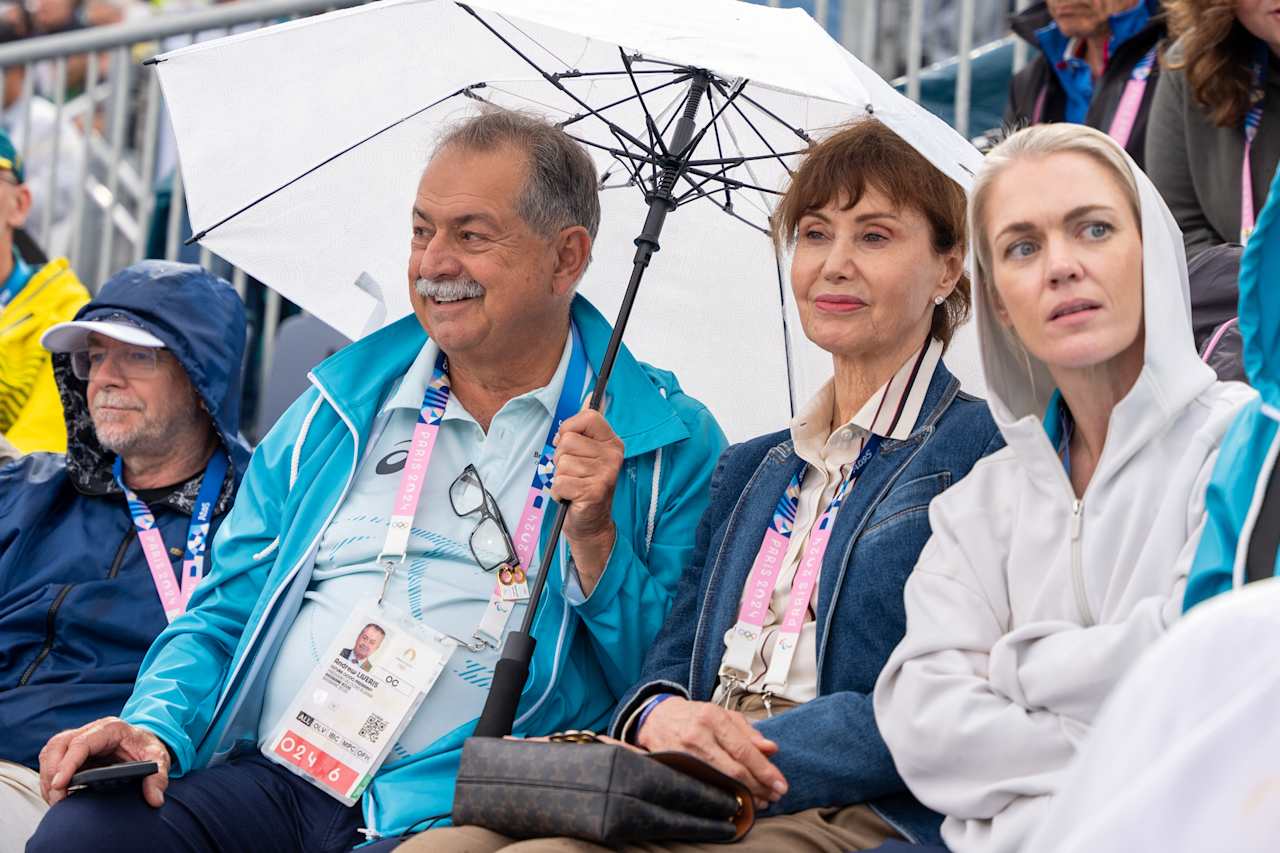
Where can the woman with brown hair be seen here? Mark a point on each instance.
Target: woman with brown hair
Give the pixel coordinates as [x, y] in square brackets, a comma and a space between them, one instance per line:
[1213, 137]
[765, 670]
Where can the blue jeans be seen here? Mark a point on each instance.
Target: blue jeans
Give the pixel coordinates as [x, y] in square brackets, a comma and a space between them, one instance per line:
[248, 804]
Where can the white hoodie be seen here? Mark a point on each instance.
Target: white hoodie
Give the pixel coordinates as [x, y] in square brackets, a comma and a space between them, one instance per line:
[1027, 605]
[1183, 759]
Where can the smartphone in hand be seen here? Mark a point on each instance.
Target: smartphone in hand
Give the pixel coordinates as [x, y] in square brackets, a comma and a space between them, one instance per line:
[112, 776]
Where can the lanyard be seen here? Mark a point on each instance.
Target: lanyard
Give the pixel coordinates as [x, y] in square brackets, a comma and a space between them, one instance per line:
[1251, 122]
[172, 598]
[511, 584]
[735, 669]
[1131, 100]
[17, 280]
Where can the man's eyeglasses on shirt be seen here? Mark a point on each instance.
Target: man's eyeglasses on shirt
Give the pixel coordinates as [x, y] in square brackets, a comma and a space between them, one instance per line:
[491, 544]
[130, 362]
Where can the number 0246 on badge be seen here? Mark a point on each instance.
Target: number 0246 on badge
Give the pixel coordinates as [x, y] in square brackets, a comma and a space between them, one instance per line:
[339, 728]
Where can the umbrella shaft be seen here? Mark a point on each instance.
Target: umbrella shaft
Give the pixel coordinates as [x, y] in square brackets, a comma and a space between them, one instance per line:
[676, 160]
[513, 668]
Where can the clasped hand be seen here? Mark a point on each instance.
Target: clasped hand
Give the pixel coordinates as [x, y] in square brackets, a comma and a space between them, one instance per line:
[724, 739]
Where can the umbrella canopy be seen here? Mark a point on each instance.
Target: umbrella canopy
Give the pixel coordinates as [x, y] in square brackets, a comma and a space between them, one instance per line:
[343, 110]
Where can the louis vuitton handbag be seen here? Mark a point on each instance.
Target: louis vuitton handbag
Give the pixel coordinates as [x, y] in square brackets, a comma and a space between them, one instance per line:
[575, 784]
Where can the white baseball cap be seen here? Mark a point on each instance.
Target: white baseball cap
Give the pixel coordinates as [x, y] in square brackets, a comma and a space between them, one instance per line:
[73, 336]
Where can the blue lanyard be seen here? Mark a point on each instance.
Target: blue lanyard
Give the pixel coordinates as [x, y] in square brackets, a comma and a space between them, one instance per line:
[17, 280]
[172, 598]
[784, 514]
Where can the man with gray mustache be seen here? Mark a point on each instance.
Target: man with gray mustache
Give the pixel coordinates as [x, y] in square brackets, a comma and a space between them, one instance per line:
[149, 377]
[412, 488]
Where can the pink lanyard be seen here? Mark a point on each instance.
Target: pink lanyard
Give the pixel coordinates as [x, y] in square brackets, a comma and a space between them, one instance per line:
[173, 598]
[1131, 100]
[735, 668]
[1251, 123]
[511, 584]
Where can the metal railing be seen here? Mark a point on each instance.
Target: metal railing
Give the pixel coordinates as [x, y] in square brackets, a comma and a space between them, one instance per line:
[102, 165]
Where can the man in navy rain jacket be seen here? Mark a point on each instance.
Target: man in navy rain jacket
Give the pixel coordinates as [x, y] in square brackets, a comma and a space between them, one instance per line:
[149, 373]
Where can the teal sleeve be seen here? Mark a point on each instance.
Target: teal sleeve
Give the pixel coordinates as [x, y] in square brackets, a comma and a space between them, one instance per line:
[1213, 569]
[184, 674]
[1227, 501]
[629, 604]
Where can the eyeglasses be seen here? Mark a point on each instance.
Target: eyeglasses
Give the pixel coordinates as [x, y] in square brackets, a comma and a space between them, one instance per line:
[130, 362]
[491, 544]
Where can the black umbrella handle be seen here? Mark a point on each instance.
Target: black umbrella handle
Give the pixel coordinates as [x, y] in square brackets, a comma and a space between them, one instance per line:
[512, 670]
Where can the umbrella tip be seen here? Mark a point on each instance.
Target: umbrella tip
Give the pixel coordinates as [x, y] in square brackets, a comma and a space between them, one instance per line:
[155, 60]
[195, 238]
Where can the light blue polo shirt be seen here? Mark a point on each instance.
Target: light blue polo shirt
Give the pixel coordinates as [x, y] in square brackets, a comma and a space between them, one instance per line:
[439, 583]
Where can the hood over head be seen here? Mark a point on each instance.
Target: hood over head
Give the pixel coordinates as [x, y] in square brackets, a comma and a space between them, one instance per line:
[1260, 303]
[1019, 385]
[201, 321]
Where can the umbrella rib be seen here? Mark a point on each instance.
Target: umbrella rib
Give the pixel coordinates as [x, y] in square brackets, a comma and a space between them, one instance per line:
[737, 109]
[797, 131]
[550, 78]
[656, 141]
[681, 79]
[729, 211]
[534, 41]
[195, 238]
[700, 184]
[732, 182]
[739, 160]
[742, 84]
[728, 194]
[570, 75]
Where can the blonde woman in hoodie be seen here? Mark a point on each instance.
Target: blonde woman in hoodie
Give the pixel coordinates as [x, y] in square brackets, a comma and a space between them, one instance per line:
[1059, 559]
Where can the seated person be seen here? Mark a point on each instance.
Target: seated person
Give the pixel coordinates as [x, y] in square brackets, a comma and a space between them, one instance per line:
[779, 696]
[150, 378]
[1241, 539]
[1095, 63]
[35, 293]
[1214, 143]
[397, 492]
[1215, 303]
[1063, 557]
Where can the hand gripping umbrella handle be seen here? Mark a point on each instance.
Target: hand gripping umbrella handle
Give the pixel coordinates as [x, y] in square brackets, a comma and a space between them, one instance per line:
[512, 670]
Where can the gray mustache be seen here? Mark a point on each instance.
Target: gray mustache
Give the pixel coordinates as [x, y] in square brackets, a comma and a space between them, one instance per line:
[114, 400]
[448, 288]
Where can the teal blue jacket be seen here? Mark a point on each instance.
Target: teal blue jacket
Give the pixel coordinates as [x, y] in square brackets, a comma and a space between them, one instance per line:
[1249, 448]
[201, 685]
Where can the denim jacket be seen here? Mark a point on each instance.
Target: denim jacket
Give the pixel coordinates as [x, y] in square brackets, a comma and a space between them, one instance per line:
[830, 749]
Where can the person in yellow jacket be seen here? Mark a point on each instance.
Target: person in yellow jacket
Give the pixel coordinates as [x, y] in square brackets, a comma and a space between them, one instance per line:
[35, 293]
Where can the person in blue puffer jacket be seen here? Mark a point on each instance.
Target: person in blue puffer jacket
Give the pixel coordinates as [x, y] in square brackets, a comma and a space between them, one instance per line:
[149, 374]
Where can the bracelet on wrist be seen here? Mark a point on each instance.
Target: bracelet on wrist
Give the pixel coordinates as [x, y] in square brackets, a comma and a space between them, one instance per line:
[647, 710]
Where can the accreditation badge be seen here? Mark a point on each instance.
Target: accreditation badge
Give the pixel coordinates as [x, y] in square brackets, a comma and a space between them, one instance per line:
[355, 704]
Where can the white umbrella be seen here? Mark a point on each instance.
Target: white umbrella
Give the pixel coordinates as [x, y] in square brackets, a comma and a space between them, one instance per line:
[301, 146]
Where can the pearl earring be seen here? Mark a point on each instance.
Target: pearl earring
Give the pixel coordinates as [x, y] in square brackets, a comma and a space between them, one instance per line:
[938, 300]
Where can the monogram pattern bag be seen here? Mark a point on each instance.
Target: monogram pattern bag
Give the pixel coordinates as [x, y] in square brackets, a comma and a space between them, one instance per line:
[578, 786]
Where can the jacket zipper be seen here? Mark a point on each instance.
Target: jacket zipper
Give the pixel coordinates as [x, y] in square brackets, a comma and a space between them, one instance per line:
[1077, 567]
[120, 552]
[49, 620]
[52, 616]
